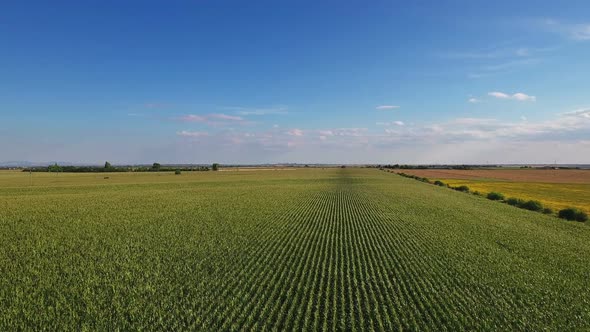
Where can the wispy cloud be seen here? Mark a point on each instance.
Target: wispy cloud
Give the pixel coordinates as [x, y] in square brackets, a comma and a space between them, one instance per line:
[393, 123]
[574, 31]
[295, 132]
[570, 129]
[258, 111]
[510, 64]
[187, 133]
[505, 67]
[156, 105]
[569, 126]
[350, 131]
[473, 100]
[581, 32]
[221, 116]
[517, 96]
[214, 119]
[386, 107]
[498, 60]
[490, 53]
[583, 113]
[193, 118]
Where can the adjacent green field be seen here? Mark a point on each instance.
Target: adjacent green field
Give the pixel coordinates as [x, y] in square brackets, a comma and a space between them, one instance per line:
[334, 249]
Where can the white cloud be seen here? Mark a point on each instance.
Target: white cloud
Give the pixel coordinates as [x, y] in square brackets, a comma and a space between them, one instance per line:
[583, 113]
[500, 95]
[473, 100]
[356, 132]
[386, 107]
[295, 132]
[517, 96]
[569, 129]
[187, 133]
[489, 129]
[523, 97]
[387, 124]
[326, 133]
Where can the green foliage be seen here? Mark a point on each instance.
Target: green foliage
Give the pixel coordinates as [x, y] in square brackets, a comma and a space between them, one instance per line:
[464, 189]
[54, 168]
[573, 214]
[107, 165]
[177, 172]
[514, 201]
[494, 196]
[439, 183]
[215, 166]
[532, 205]
[156, 167]
[547, 210]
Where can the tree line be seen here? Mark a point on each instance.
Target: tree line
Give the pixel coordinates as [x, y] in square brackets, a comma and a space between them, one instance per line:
[108, 167]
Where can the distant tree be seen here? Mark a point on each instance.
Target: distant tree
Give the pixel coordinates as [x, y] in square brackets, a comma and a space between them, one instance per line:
[107, 165]
[177, 172]
[156, 167]
[54, 168]
[215, 166]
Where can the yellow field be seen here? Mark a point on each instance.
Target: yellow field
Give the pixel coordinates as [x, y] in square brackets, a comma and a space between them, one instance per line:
[556, 189]
[554, 195]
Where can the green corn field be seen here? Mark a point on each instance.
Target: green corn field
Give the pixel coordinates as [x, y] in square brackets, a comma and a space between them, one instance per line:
[308, 249]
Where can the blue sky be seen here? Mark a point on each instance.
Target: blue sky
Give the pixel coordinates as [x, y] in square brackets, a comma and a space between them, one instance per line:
[295, 81]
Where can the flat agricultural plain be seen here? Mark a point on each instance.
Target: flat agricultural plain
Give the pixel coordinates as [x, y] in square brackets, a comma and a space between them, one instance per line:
[557, 189]
[312, 249]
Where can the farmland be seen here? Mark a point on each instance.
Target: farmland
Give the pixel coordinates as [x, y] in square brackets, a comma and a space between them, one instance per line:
[557, 189]
[310, 249]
